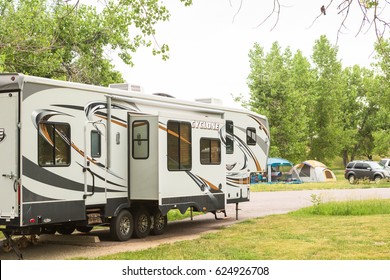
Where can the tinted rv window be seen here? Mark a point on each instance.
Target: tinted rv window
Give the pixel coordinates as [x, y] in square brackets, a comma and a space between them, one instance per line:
[54, 144]
[96, 146]
[179, 146]
[251, 136]
[140, 139]
[229, 137]
[210, 151]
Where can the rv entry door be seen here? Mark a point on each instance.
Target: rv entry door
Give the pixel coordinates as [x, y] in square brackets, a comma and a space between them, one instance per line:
[95, 163]
[9, 150]
[143, 157]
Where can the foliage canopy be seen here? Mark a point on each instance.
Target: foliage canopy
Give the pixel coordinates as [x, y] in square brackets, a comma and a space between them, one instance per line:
[60, 40]
[317, 109]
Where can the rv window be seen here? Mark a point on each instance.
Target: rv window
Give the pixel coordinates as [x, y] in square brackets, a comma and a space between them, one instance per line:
[251, 136]
[179, 146]
[54, 144]
[96, 146]
[140, 139]
[210, 151]
[229, 137]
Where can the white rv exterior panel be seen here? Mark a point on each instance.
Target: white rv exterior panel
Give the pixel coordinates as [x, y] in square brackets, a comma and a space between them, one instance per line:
[9, 155]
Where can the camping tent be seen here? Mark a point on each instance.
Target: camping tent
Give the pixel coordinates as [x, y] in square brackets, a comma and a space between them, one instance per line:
[279, 169]
[314, 171]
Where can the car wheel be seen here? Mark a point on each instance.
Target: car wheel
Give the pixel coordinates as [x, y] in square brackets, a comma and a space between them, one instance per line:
[351, 179]
[377, 179]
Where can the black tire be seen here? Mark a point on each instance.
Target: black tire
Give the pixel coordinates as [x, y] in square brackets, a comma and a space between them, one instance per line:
[122, 226]
[351, 179]
[48, 230]
[142, 223]
[159, 223]
[84, 229]
[66, 229]
[377, 179]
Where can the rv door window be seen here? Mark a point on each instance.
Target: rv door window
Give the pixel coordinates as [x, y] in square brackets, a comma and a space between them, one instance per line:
[251, 136]
[54, 144]
[229, 137]
[179, 146]
[140, 139]
[96, 146]
[210, 151]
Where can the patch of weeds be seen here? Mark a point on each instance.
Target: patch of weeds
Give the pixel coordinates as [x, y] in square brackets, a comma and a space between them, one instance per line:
[346, 208]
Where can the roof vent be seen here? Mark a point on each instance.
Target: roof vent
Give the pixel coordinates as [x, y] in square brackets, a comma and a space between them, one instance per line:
[216, 101]
[127, 87]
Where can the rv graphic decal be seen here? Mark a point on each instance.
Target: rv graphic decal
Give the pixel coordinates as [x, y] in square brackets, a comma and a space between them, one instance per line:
[2, 134]
[40, 117]
[246, 151]
[203, 184]
[205, 125]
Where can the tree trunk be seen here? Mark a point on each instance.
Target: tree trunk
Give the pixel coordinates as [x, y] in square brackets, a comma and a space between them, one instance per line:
[345, 158]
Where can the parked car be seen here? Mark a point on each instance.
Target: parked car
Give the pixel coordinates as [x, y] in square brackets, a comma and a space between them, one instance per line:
[385, 162]
[361, 169]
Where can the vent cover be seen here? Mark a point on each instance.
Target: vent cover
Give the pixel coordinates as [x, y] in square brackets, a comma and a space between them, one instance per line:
[127, 87]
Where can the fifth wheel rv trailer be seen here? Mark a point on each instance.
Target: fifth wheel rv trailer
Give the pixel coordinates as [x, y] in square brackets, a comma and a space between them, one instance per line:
[74, 156]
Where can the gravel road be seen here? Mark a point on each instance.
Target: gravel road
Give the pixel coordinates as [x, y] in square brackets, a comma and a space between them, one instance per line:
[261, 204]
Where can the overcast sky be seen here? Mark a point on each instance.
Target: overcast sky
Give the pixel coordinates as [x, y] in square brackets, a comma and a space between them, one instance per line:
[210, 41]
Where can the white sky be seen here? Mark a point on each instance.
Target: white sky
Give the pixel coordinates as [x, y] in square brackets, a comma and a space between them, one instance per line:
[209, 52]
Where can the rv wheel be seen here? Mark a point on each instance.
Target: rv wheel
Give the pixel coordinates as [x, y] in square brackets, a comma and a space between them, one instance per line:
[141, 223]
[66, 229]
[84, 229]
[159, 223]
[48, 230]
[122, 226]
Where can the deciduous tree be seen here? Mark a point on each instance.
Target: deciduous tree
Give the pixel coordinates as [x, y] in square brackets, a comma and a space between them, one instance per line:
[65, 40]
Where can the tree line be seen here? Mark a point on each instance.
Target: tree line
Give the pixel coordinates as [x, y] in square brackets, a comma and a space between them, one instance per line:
[318, 109]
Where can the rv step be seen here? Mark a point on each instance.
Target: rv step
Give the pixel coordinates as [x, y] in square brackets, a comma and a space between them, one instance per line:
[93, 210]
[94, 218]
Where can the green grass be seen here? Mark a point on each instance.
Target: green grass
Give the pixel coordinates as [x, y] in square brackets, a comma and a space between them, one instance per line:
[339, 230]
[348, 208]
[175, 214]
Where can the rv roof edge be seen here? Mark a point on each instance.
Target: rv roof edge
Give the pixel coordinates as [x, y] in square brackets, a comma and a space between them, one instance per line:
[170, 105]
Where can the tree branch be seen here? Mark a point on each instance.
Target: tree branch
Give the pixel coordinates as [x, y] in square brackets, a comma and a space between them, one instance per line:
[330, 3]
[276, 9]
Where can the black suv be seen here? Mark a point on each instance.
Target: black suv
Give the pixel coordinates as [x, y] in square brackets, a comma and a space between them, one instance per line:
[361, 169]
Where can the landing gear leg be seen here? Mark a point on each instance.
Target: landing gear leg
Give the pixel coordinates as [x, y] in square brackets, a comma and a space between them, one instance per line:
[215, 214]
[11, 244]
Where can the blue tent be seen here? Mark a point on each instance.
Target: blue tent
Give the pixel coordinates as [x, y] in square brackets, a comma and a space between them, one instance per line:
[280, 170]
